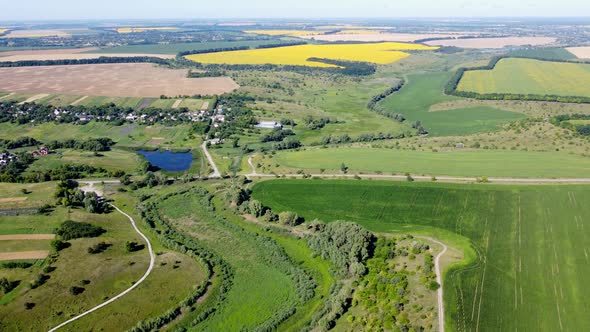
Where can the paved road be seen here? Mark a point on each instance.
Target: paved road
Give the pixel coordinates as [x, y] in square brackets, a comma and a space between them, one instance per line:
[147, 273]
[216, 173]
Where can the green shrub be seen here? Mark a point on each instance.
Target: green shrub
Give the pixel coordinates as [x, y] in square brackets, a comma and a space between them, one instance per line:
[74, 230]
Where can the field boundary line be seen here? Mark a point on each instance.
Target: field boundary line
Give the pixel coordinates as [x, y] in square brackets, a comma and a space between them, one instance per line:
[77, 101]
[123, 293]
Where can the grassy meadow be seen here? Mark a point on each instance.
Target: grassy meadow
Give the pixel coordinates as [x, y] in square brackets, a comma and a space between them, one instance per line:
[527, 76]
[532, 257]
[491, 163]
[424, 90]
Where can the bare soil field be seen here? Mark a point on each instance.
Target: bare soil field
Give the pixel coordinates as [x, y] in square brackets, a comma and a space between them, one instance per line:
[13, 199]
[40, 56]
[10, 256]
[483, 43]
[36, 33]
[377, 37]
[582, 52]
[112, 80]
[177, 104]
[44, 52]
[20, 237]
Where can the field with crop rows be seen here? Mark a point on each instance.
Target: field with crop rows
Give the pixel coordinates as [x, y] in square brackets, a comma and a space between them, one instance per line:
[531, 242]
[527, 76]
[380, 53]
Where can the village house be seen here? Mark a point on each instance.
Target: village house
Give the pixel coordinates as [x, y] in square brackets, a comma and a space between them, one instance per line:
[43, 151]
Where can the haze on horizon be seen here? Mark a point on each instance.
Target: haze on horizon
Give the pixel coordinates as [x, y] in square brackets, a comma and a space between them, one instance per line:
[187, 9]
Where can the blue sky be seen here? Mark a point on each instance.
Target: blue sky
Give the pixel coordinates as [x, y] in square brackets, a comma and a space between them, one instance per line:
[198, 9]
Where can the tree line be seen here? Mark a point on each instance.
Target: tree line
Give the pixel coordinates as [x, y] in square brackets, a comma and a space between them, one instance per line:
[100, 60]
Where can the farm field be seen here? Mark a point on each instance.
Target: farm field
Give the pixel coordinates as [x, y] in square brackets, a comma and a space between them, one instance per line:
[380, 53]
[493, 43]
[110, 160]
[143, 29]
[37, 33]
[491, 163]
[582, 52]
[47, 51]
[42, 56]
[174, 49]
[527, 76]
[527, 274]
[293, 33]
[424, 90]
[114, 80]
[377, 36]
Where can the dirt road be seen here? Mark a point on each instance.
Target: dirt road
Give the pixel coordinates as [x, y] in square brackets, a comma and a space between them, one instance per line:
[216, 173]
[142, 279]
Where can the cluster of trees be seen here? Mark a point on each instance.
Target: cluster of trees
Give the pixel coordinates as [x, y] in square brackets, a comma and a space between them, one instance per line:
[349, 68]
[6, 286]
[20, 142]
[208, 73]
[68, 194]
[564, 122]
[374, 105]
[451, 86]
[100, 60]
[347, 245]
[91, 144]
[317, 123]
[345, 138]
[384, 294]
[69, 230]
[14, 170]
[277, 135]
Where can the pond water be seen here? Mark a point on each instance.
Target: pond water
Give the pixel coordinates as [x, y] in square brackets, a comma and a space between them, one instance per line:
[168, 160]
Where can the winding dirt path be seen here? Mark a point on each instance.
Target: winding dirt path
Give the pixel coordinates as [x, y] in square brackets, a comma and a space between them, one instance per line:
[142, 279]
[437, 270]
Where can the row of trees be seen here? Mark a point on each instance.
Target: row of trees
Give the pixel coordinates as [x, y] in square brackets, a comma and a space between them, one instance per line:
[100, 60]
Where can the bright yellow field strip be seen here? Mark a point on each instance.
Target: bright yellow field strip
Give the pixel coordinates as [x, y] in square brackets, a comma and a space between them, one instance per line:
[131, 30]
[284, 32]
[379, 53]
[3, 31]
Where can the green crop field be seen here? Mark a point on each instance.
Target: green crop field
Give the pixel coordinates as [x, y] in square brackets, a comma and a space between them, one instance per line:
[180, 47]
[453, 163]
[544, 53]
[424, 90]
[532, 261]
[527, 76]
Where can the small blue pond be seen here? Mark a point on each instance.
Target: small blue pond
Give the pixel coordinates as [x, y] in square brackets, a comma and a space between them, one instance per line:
[168, 160]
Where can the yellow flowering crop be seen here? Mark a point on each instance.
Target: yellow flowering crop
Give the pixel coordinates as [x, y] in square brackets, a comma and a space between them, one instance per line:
[380, 53]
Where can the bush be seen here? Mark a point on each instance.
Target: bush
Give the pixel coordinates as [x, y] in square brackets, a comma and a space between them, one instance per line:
[289, 218]
[133, 246]
[74, 230]
[75, 290]
[59, 245]
[29, 305]
[41, 279]
[98, 248]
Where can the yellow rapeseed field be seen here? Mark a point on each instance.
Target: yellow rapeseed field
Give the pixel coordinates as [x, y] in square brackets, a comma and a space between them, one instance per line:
[3, 31]
[284, 32]
[142, 29]
[380, 53]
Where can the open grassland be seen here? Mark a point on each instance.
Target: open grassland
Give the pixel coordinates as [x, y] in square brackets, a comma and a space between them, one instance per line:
[424, 90]
[110, 160]
[494, 163]
[532, 242]
[127, 135]
[114, 80]
[493, 43]
[174, 49]
[380, 53]
[258, 289]
[144, 29]
[37, 194]
[527, 76]
[106, 273]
